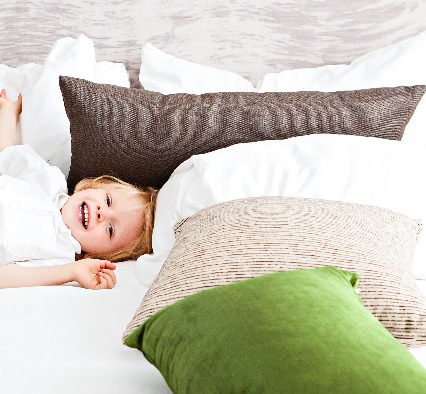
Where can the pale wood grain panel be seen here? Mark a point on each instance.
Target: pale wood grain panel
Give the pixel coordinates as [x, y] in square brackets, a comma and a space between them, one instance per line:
[245, 36]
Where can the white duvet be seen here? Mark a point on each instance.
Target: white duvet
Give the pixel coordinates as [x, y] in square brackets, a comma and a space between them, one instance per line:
[65, 339]
[355, 169]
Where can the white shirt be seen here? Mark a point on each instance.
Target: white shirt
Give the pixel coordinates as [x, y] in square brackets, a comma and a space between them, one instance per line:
[32, 192]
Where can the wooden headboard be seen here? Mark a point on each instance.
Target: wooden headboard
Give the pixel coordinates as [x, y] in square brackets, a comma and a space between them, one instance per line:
[249, 37]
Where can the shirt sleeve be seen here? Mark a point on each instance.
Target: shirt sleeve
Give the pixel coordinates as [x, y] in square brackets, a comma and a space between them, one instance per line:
[22, 162]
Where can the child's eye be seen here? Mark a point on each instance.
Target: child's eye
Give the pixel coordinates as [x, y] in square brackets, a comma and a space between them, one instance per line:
[110, 230]
[108, 200]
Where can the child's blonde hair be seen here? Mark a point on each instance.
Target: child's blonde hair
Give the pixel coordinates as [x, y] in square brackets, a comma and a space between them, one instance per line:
[143, 243]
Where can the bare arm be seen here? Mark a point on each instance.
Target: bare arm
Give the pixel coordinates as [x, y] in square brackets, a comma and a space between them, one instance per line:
[89, 273]
[9, 114]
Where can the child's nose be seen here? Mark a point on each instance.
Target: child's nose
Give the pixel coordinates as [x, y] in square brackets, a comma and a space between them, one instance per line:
[100, 214]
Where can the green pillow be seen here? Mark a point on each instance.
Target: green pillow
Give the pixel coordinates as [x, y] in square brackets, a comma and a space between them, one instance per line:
[301, 331]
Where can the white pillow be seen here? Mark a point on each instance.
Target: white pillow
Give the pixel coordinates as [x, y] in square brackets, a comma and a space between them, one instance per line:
[403, 63]
[355, 169]
[43, 123]
[164, 73]
[111, 73]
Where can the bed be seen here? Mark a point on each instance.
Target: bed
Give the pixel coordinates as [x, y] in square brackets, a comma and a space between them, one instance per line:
[73, 60]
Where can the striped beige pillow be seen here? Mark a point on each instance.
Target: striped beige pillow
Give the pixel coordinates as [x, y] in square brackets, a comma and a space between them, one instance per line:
[244, 238]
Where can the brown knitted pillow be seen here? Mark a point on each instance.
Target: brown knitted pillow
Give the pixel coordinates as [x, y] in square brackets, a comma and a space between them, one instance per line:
[142, 136]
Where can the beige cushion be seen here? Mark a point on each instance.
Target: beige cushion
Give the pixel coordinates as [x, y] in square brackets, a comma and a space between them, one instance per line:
[245, 238]
[141, 136]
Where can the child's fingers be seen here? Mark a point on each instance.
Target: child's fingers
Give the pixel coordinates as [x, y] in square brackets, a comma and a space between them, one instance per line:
[110, 282]
[111, 274]
[107, 264]
[103, 283]
[106, 281]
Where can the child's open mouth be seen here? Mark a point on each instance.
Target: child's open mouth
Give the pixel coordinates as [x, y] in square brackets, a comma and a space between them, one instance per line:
[84, 215]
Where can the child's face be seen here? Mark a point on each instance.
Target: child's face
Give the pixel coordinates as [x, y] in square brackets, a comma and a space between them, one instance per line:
[103, 220]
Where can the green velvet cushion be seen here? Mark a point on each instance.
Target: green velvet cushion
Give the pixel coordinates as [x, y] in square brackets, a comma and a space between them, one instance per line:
[301, 331]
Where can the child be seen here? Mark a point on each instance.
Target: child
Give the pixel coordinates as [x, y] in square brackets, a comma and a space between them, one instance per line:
[50, 238]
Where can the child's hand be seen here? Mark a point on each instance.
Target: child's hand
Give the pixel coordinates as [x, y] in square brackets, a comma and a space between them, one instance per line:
[14, 106]
[94, 274]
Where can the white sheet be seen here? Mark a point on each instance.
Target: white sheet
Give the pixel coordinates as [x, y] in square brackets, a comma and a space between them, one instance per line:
[65, 339]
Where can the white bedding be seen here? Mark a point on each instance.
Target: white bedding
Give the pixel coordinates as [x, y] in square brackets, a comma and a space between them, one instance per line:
[355, 169]
[66, 339]
[348, 168]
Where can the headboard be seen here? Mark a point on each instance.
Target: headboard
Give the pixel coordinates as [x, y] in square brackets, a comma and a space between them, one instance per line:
[245, 36]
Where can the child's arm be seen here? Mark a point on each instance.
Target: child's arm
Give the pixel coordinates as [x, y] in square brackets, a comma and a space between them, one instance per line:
[89, 273]
[9, 114]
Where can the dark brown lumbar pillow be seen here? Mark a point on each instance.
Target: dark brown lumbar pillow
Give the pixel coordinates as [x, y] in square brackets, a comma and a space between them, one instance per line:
[142, 136]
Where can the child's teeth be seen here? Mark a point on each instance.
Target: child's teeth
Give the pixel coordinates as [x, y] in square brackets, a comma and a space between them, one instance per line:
[86, 215]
